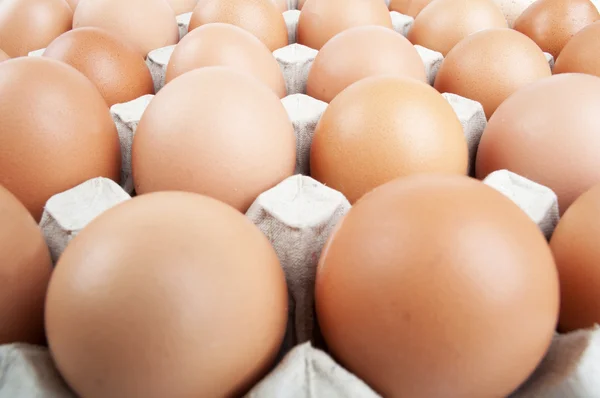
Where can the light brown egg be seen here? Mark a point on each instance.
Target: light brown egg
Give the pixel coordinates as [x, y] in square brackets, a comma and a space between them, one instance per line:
[25, 268]
[56, 131]
[576, 251]
[408, 7]
[320, 20]
[443, 23]
[548, 132]
[145, 24]
[29, 25]
[117, 69]
[490, 65]
[552, 23]
[581, 52]
[512, 9]
[221, 44]
[3, 56]
[182, 6]
[384, 127]
[214, 131]
[73, 4]
[262, 18]
[335, 66]
[166, 295]
[421, 287]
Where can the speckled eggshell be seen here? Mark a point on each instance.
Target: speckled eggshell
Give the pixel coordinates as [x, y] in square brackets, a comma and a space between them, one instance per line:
[421, 287]
[581, 53]
[490, 65]
[576, 251]
[321, 20]
[262, 18]
[443, 23]
[182, 6]
[56, 131]
[512, 9]
[547, 132]
[25, 268]
[408, 7]
[385, 127]
[214, 131]
[117, 69]
[146, 24]
[552, 23]
[221, 44]
[29, 25]
[335, 66]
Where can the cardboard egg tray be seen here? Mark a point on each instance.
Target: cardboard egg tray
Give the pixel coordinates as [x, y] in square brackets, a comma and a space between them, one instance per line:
[297, 216]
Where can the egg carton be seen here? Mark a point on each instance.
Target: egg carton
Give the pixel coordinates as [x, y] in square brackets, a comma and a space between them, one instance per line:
[297, 216]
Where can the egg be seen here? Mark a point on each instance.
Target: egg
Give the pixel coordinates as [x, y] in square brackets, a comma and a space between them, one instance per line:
[214, 131]
[437, 286]
[25, 268]
[411, 8]
[301, 4]
[575, 249]
[581, 52]
[262, 18]
[3, 56]
[552, 23]
[320, 20]
[29, 25]
[281, 4]
[56, 131]
[385, 127]
[548, 133]
[490, 65]
[182, 6]
[116, 68]
[335, 66]
[443, 23]
[512, 9]
[145, 24]
[150, 300]
[221, 44]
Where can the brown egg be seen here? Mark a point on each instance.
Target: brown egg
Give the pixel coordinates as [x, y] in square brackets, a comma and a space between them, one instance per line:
[73, 4]
[437, 286]
[384, 127]
[321, 20]
[116, 68]
[221, 44]
[145, 24]
[408, 7]
[443, 23]
[182, 6]
[552, 23]
[29, 25]
[150, 300]
[25, 268]
[512, 9]
[581, 52]
[576, 251]
[214, 131]
[388, 52]
[490, 65]
[3, 56]
[262, 18]
[56, 131]
[548, 132]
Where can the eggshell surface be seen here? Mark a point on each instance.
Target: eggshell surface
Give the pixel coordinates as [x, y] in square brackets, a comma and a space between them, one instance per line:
[220, 44]
[421, 285]
[182, 6]
[580, 55]
[490, 65]
[25, 268]
[512, 9]
[443, 23]
[29, 25]
[381, 128]
[548, 133]
[321, 20]
[217, 132]
[575, 248]
[408, 7]
[281, 4]
[552, 23]
[150, 300]
[262, 18]
[388, 52]
[145, 24]
[117, 69]
[56, 131]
